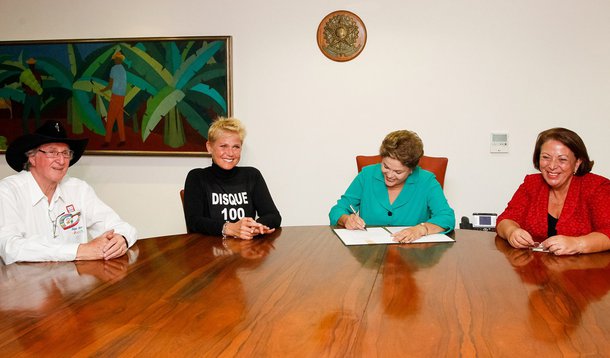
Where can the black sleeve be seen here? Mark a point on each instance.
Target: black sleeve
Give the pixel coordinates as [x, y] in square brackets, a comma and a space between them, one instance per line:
[264, 205]
[196, 212]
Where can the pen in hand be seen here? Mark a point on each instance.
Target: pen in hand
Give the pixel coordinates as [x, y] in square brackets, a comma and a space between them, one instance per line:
[356, 213]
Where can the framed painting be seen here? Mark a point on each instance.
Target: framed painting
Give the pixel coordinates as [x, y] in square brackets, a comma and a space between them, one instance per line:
[132, 96]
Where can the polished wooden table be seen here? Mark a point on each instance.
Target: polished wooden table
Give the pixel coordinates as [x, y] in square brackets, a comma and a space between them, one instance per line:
[302, 293]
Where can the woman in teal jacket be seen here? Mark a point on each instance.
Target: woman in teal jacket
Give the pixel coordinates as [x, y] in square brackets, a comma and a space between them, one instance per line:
[396, 192]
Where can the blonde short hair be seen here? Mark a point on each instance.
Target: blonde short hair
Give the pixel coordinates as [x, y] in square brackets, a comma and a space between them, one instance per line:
[226, 125]
[404, 146]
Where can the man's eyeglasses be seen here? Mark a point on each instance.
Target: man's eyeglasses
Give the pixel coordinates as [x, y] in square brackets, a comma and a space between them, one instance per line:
[68, 154]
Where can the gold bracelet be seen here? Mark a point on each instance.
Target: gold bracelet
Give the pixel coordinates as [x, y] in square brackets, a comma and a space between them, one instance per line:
[581, 245]
[425, 228]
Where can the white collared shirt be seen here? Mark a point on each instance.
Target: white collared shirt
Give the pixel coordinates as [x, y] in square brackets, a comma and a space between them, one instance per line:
[32, 229]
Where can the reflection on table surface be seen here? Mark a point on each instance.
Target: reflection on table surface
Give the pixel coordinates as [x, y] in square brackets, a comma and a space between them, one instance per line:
[560, 288]
[301, 292]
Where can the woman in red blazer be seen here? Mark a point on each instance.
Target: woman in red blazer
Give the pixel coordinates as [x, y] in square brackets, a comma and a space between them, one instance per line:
[566, 207]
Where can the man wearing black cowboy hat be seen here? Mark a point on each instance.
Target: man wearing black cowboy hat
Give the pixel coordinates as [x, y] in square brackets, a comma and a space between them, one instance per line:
[48, 216]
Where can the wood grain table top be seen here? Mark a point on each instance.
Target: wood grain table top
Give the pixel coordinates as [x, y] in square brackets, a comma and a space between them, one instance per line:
[301, 293]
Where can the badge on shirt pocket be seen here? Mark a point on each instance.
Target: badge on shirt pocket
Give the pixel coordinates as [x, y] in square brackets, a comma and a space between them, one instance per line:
[69, 220]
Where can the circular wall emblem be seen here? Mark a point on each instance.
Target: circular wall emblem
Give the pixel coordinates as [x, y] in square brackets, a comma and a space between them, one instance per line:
[341, 36]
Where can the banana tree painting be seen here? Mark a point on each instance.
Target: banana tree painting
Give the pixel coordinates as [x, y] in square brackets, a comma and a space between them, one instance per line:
[175, 89]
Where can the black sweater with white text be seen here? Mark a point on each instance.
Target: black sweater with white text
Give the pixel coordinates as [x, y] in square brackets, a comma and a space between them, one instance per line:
[213, 196]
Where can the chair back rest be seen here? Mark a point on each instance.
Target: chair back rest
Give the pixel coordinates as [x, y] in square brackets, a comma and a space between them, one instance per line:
[436, 165]
[182, 200]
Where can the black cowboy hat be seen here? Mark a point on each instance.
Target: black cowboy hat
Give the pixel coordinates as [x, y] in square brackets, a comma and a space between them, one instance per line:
[50, 132]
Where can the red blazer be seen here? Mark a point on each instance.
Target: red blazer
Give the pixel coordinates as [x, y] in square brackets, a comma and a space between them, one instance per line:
[586, 209]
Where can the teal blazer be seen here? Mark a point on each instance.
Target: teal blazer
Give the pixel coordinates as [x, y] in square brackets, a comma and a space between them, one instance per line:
[421, 200]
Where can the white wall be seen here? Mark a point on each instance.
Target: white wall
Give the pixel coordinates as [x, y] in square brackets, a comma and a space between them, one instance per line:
[452, 70]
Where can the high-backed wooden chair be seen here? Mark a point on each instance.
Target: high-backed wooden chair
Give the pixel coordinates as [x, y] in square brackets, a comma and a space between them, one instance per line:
[436, 165]
[182, 200]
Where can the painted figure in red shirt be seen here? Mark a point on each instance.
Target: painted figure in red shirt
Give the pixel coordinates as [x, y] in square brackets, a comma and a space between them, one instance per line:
[565, 209]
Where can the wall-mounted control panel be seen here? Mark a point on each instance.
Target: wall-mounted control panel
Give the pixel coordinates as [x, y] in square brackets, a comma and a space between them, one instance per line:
[499, 143]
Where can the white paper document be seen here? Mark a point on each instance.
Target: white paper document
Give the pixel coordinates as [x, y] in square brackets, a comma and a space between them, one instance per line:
[383, 235]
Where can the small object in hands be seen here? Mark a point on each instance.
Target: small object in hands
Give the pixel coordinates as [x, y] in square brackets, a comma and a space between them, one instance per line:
[539, 248]
[356, 213]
